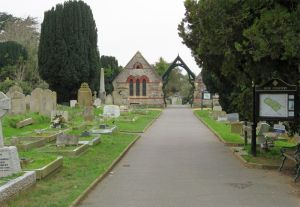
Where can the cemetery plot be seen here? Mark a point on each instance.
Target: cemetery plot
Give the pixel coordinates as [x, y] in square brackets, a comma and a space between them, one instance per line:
[40, 150]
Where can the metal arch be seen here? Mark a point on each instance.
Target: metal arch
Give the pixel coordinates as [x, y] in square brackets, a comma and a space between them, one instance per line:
[178, 62]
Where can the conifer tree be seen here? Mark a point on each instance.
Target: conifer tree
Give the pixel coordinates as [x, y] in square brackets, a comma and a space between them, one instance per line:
[68, 53]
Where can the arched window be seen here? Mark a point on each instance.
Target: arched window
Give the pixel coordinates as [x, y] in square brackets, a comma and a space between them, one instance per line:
[138, 65]
[137, 87]
[144, 87]
[131, 87]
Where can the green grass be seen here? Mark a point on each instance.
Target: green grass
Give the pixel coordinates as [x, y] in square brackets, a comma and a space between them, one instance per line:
[62, 188]
[222, 129]
[140, 125]
[5, 180]
[37, 159]
[9, 124]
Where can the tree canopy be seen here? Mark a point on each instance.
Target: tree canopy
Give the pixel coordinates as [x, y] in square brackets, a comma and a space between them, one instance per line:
[111, 70]
[68, 53]
[237, 42]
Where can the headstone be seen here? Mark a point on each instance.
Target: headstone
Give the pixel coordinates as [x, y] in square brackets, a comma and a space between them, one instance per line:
[222, 118]
[233, 117]
[48, 102]
[9, 159]
[63, 114]
[73, 103]
[97, 102]
[217, 108]
[279, 128]
[18, 104]
[84, 95]
[236, 127]
[111, 110]
[123, 108]
[43, 101]
[66, 139]
[88, 113]
[24, 122]
[216, 114]
[109, 99]
[15, 88]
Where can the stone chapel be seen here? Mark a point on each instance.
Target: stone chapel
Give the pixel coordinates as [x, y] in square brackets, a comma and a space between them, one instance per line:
[138, 83]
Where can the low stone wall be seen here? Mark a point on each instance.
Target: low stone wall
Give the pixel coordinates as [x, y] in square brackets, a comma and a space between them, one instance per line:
[48, 169]
[17, 185]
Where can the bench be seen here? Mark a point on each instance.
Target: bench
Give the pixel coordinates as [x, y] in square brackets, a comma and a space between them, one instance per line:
[293, 154]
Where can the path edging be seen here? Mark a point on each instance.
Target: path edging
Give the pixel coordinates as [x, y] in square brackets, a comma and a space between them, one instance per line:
[252, 164]
[102, 176]
[229, 144]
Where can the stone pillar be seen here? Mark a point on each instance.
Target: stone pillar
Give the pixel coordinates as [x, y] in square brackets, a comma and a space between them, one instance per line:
[102, 93]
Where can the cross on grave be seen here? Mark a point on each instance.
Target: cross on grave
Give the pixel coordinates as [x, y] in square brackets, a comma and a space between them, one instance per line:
[4, 107]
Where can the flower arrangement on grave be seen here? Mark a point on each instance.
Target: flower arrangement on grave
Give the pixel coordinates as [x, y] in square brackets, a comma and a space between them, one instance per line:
[57, 122]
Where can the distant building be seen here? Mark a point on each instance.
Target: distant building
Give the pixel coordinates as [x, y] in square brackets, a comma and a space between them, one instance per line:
[138, 83]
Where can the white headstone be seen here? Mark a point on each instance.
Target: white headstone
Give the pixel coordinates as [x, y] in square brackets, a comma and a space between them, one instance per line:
[97, 102]
[9, 159]
[111, 110]
[73, 103]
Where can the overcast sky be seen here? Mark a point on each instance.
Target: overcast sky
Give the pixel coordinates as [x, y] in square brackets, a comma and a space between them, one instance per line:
[125, 26]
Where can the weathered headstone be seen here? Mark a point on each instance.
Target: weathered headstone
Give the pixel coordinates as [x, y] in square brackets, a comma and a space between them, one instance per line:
[97, 102]
[73, 103]
[236, 127]
[43, 101]
[18, 105]
[35, 100]
[48, 102]
[66, 139]
[85, 95]
[88, 113]
[24, 122]
[109, 99]
[123, 108]
[233, 117]
[111, 110]
[9, 159]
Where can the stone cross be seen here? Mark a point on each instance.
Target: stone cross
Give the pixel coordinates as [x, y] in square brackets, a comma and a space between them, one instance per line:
[4, 107]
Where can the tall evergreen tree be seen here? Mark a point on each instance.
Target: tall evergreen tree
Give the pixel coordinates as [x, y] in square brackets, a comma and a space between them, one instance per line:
[111, 70]
[68, 53]
[237, 42]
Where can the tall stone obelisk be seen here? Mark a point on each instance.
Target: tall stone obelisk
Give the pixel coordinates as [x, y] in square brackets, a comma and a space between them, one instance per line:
[9, 159]
[102, 93]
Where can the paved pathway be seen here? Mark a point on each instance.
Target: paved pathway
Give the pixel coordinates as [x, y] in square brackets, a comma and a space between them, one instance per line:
[179, 162]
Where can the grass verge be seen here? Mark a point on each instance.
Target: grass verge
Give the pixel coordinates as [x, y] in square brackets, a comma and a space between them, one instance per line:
[66, 185]
[141, 124]
[220, 128]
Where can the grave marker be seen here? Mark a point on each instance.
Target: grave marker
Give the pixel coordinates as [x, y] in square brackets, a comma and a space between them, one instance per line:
[9, 159]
